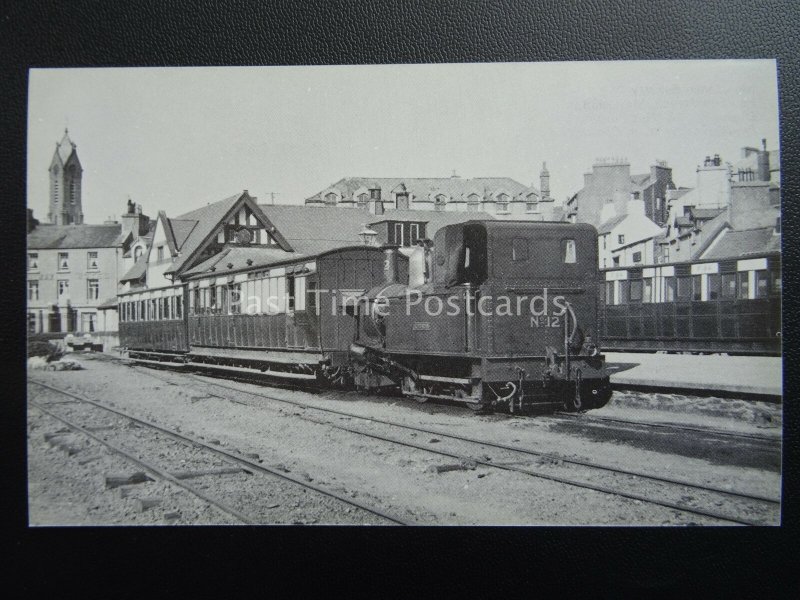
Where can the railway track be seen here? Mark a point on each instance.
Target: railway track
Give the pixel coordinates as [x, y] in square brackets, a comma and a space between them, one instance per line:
[742, 502]
[767, 440]
[248, 465]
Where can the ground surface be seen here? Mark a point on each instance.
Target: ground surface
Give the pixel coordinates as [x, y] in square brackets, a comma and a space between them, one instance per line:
[69, 489]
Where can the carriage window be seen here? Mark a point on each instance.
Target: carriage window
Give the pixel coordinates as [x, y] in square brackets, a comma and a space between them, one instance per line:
[744, 285]
[624, 292]
[647, 294]
[762, 284]
[300, 293]
[291, 292]
[713, 286]
[569, 252]
[519, 249]
[234, 294]
[636, 290]
[669, 289]
[728, 290]
[684, 287]
[697, 290]
[609, 292]
[178, 307]
[312, 297]
[212, 298]
[775, 289]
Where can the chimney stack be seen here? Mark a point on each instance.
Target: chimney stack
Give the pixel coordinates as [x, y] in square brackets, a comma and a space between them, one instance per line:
[763, 161]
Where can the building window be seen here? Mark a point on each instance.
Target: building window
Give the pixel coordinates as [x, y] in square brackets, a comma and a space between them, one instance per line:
[33, 261]
[137, 252]
[92, 289]
[473, 203]
[89, 322]
[161, 251]
[502, 203]
[621, 239]
[570, 254]
[33, 290]
[91, 261]
[31, 323]
[439, 202]
[330, 198]
[605, 237]
[63, 261]
[615, 260]
[63, 288]
[414, 233]
[362, 201]
[637, 257]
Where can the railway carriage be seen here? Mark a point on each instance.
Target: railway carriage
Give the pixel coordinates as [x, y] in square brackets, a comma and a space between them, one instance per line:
[731, 306]
[499, 314]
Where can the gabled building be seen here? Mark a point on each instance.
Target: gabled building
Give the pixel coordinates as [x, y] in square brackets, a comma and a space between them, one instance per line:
[501, 197]
[626, 239]
[237, 233]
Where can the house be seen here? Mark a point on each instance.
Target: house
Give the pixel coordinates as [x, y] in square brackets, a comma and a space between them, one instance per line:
[628, 238]
[611, 182]
[73, 272]
[719, 203]
[501, 197]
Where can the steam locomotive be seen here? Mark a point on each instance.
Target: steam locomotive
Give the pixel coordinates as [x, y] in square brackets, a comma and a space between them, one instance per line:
[497, 315]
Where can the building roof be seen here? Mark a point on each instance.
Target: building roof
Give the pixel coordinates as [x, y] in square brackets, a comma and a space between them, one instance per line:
[181, 228]
[65, 147]
[744, 242]
[438, 218]
[705, 213]
[609, 225]
[640, 180]
[137, 271]
[74, 236]
[108, 303]
[205, 219]
[683, 221]
[237, 257]
[314, 229]
[455, 188]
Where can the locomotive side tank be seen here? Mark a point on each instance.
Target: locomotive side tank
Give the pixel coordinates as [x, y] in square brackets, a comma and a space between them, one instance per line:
[507, 316]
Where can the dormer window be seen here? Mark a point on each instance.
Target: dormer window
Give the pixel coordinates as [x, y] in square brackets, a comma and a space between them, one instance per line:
[330, 198]
[502, 203]
[621, 239]
[63, 261]
[137, 252]
[33, 261]
[362, 200]
[439, 202]
[160, 253]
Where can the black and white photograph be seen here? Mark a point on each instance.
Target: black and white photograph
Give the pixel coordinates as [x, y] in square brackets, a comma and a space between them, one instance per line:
[509, 293]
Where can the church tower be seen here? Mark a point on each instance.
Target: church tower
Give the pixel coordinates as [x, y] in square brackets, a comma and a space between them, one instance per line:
[65, 184]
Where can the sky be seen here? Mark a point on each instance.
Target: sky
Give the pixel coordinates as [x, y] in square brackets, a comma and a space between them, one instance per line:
[175, 139]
